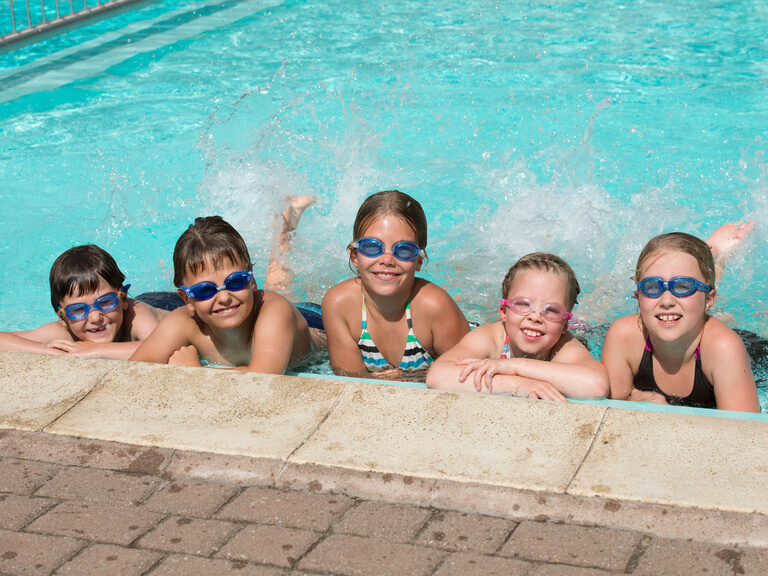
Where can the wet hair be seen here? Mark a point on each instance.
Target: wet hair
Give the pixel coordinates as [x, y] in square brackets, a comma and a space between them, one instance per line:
[678, 242]
[546, 263]
[80, 270]
[396, 203]
[210, 240]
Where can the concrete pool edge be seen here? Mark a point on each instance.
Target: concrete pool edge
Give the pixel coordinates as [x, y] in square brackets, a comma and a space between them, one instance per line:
[498, 456]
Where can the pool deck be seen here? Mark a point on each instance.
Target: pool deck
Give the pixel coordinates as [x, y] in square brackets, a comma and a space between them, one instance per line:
[633, 480]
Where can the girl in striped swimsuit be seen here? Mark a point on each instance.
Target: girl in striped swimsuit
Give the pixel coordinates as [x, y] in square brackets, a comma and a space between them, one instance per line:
[386, 322]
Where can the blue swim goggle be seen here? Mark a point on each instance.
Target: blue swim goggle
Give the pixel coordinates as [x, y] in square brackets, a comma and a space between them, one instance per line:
[104, 304]
[680, 286]
[373, 247]
[206, 290]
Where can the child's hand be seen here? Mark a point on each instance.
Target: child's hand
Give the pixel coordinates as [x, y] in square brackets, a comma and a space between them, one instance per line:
[484, 371]
[185, 356]
[540, 389]
[70, 348]
[646, 396]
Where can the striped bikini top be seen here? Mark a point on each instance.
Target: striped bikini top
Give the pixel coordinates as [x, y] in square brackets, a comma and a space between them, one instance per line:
[415, 356]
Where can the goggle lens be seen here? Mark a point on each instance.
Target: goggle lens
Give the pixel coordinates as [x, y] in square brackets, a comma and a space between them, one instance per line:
[680, 286]
[373, 248]
[104, 304]
[524, 307]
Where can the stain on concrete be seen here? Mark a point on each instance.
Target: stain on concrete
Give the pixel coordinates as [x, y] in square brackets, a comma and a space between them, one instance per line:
[601, 488]
[732, 558]
[148, 462]
[612, 506]
[408, 480]
[175, 488]
[10, 555]
[315, 486]
[585, 432]
[183, 521]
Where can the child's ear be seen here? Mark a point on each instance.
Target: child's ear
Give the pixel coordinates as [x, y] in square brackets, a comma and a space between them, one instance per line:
[710, 301]
[353, 257]
[184, 297]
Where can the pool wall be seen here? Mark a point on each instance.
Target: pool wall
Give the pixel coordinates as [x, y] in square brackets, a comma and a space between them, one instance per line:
[686, 475]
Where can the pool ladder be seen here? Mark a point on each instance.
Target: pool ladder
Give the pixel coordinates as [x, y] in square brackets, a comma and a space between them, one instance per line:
[40, 19]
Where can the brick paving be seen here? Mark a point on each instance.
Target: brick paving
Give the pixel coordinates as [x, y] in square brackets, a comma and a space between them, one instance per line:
[78, 507]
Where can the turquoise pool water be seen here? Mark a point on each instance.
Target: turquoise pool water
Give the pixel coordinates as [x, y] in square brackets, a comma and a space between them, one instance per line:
[545, 126]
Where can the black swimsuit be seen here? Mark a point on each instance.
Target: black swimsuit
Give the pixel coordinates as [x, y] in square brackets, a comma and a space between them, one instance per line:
[702, 395]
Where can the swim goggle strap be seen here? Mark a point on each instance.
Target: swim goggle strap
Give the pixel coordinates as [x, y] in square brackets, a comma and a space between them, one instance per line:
[680, 286]
[103, 304]
[524, 307]
[206, 290]
[373, 248]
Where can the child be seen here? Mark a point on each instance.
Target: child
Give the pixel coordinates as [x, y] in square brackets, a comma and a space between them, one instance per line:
[672, 351]
[97, 319]
[385, 322]
[530, 352]
[226, 320]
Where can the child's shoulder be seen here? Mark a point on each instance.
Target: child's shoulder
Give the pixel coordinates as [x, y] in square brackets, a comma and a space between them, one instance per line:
[626, 327]
[343, 294]
[719, 339]
[142, 319]
[429, 294]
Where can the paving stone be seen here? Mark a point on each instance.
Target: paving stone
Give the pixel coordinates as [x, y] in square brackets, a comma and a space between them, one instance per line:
[24, 476]
[568, 544]
[67, 451]
[463, 563]
[96, 522]
[565, 570]
[196, 566]
[269, 545]
[684, 558]
[455, 531]
[356, 556]
[287, 508]
[16, 511]
[109, 560]
[190, 498]
[188, 535]
[96, 485]
[380, 520]
[22, 553]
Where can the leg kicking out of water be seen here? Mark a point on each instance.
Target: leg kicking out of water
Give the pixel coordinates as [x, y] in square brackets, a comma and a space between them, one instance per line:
[279, 275]
[724, 240]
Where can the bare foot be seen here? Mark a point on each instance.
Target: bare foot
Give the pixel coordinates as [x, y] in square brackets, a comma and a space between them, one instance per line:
[279, 276]
[724, 240]
[294, 210]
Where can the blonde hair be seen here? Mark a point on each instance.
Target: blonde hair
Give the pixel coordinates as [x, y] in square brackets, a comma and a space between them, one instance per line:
[395, 203]
[678, 242]
[547, 263]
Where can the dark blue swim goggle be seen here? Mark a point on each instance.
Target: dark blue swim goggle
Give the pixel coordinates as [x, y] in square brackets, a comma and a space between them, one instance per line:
[680, 286]
[373, 247]
[104, 304]
[206, 290]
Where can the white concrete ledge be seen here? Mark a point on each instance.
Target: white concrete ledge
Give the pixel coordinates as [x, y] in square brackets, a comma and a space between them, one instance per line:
[652, 471]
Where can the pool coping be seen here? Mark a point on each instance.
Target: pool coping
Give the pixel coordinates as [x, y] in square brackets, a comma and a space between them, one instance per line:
[690, 474]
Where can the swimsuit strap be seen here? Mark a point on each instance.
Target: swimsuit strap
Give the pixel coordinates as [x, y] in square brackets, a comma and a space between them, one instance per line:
[505, 348]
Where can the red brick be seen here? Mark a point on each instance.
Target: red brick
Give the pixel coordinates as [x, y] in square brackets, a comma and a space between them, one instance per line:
[390, 521]
[109, 560]
[96, 522]
[23, 476]
[685, 558]
[16, 511]
[464, 563]
[269, 545]
[190, 498]
[96, 485]
[287, 508]
[356, 556]
[196, 566]
[34, 554]
[567, 544]
[67, 450]
[473, 532]
[188, 535]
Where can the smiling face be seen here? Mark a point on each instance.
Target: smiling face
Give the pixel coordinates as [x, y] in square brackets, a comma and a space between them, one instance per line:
[669, 317]
[532, 336]
[226, 309]
[385, 274]
[97, 326]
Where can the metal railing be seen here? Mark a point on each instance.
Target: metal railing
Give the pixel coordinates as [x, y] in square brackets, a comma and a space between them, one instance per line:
[26, 21]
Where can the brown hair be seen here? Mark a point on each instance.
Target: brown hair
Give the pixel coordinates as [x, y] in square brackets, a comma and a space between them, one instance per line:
[547, 263]
[679, 242]
[209, 240]
[80, 270]
[396, 203]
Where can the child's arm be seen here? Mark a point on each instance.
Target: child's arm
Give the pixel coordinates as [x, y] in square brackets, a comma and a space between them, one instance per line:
[36, 340]
[343, 353]
[573, 372]
[731, 374]
[83, 349]
[274, 336]
[621, 339]
[172, 333]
